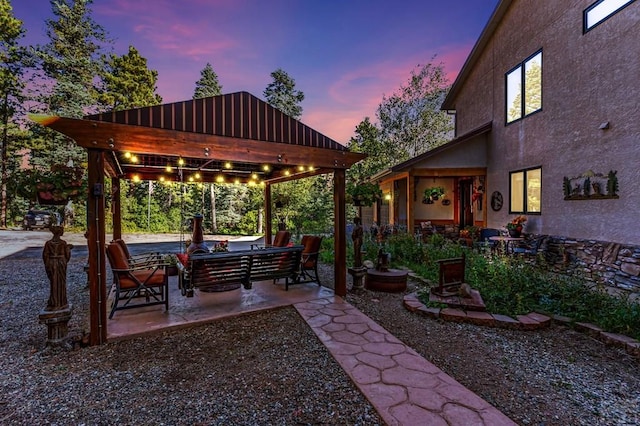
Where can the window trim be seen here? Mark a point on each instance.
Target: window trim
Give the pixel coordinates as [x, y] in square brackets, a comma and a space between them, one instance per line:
[524, 187]
[585, 28]
[523, 77]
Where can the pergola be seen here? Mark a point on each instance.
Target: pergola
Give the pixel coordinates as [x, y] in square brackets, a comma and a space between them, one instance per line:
[235, 138]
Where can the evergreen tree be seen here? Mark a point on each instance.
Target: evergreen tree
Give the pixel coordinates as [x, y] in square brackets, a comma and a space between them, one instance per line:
[208, 85]
[13, 61]
[71, 62]
[411, 119]
[72, 58]
[282, 94]
[128, 82]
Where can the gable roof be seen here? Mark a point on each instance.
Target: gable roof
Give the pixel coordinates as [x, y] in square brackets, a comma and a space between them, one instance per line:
[236, 115]
[475, 54]
[227, 138]
[485, 128]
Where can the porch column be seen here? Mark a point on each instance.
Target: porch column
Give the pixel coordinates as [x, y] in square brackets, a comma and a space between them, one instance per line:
[116, 208]
[268, 220]
[411, 187]
[96, 249]
[340, 224]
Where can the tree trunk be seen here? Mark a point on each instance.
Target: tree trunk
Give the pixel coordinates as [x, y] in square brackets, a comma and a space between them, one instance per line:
[214, 221]
[260, 215]
[3, 161]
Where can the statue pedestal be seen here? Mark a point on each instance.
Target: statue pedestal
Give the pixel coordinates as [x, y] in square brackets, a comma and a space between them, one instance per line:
[57, 325]
[390, 281]
[358, 273]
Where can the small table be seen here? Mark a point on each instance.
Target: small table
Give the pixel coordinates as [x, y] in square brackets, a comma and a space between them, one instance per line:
[507, 242]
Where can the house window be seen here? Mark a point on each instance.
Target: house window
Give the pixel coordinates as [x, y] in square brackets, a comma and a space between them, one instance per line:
[525, 190]
[524, 88]
[602, 10]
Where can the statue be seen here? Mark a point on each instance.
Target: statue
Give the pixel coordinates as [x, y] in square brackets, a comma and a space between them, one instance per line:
[56, 255]
[356, 236]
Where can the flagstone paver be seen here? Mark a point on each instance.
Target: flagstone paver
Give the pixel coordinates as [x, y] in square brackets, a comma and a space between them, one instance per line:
[404, 387]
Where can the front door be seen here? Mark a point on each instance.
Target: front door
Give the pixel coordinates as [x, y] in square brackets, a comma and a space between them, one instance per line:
[465, 192]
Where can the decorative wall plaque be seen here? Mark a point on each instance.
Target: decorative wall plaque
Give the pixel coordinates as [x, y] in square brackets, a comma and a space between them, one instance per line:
[591, 186]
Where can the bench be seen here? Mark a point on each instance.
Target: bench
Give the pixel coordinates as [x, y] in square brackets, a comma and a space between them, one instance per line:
[451, 276]
[228, 270]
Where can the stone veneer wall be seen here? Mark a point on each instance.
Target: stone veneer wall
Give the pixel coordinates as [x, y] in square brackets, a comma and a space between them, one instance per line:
[616, 266]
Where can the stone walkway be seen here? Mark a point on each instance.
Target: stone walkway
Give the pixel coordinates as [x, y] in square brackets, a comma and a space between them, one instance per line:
[404, 388]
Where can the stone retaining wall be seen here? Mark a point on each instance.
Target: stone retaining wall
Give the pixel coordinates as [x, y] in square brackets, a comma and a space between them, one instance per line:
[615, 266]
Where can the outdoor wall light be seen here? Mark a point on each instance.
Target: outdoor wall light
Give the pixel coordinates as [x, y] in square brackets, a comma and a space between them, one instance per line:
[387, 197]
[604, 126]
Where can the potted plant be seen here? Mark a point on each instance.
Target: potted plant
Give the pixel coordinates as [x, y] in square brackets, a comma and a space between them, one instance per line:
[171, 260]
[432, 194]
[364, 194]
[515, 226]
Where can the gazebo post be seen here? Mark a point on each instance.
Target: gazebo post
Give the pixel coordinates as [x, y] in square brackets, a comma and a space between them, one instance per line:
[340, 225]
[96, 248]
[268, 220]
[116, 208]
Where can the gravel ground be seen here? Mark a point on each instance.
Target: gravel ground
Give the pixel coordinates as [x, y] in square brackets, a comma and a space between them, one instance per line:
[268, 368]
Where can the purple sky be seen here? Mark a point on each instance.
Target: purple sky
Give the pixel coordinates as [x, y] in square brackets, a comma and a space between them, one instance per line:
[343, 54]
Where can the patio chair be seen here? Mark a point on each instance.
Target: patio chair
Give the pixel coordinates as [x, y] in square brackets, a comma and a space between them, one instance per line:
[484, 241]
[138, 259]
[529, 247]
[134, 281]
[281, 239]
[309, 259]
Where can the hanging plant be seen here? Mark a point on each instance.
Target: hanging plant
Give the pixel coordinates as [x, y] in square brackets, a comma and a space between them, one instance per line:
[432, 194]
[364, 194]
[56, 186]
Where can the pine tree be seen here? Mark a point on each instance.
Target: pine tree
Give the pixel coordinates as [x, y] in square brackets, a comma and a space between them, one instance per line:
[128, 83]
[282, 94]
[13, 62]
[208, 85]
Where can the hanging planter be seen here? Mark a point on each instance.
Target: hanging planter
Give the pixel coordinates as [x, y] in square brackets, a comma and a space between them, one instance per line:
[432, 194]
[54, 187]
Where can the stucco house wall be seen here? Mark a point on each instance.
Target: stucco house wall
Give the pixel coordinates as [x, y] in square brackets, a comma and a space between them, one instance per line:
[588, 79]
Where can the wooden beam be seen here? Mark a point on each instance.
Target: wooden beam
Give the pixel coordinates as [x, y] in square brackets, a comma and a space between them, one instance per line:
[340, 230]
[116, 208]
[96, 248]
[451, 172]
[149, 140]
[268, 219]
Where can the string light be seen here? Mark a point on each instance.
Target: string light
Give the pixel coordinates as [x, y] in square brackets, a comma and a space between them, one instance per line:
[169, 169]
[301, 168]
[287, 172]
[197, 175]
[265, 168]
[134, 158]
[220, 179]
[127, 155]
[227, 165]
[135, 178]
[181, 161]
[237, 181]
[254, 176]
[190, 178]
